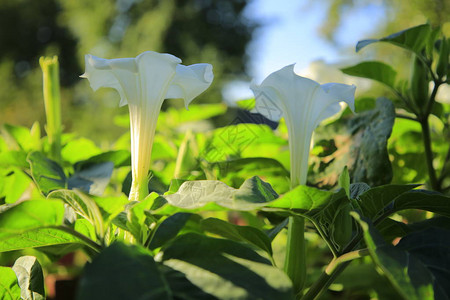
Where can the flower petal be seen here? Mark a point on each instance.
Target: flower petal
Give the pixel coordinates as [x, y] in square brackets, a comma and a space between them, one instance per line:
[156, 71]
[342, 92]
[190, 81]
[118, 74]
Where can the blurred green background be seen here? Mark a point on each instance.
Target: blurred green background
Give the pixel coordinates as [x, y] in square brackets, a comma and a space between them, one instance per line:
[229, 34]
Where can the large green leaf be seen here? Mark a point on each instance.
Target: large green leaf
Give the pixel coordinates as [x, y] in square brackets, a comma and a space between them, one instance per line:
[30, 215]
[30, 277]
[42, 237]
[238, 233]
[361, 140]
[432, 248]
[410, 267]
[425, 200]
[123, 272]
[303, 199]
[181, 287]
[374, 70]
[374, 201]
[413, 39]
[37, 223]
[9, 287]
[47, 174]
[371, 132]
[252, 194]
[79, 149]
[226, 269]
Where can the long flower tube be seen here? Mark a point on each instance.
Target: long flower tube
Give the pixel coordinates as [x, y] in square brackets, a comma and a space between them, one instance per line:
[303, 103]
[143, 83]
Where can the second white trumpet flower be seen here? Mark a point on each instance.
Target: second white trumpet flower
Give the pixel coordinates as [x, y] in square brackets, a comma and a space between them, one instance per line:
[303, 103]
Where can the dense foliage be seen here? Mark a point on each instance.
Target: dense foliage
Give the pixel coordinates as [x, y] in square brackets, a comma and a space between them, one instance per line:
[213, 226]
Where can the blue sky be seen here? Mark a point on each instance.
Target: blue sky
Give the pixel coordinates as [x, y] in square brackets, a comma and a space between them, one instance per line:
[290, 34]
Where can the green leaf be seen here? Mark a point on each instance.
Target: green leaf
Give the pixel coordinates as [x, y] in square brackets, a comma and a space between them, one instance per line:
[47, 174]
[303, 199]
[30, 277]
[226, 269]
[362, 141]
[14, 158]
[110, 207]
[413, 39]
[374, 70]
[123, 272]
[252, 194]
[431, 247]
[92, 179]
[361, 278]
[176, 116]
[120, 158]
[35, 223]
[374, 200]
[238, 233]
[40, 237]
[79, 149]
[234, 171]
[169, 228]
[371, 133]
[416, 267]
[18, 138]
[30, 215]
[15, 184]
[9, 287]
[181, 287]
[425, 200]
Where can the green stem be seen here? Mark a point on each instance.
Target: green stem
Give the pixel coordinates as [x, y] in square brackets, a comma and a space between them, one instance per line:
[429, 154]
[324, 282]
[334, 268]
[139, 189]
[295, 263]
[423, 119]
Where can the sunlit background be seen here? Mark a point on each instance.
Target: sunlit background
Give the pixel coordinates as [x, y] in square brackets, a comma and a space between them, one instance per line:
[244, 40]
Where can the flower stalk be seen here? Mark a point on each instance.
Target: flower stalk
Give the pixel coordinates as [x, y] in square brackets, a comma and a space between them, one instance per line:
[52, 102]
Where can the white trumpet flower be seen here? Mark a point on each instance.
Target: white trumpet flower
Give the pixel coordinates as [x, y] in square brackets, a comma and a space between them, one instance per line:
[143, 83]
[303, 103]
